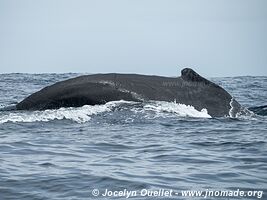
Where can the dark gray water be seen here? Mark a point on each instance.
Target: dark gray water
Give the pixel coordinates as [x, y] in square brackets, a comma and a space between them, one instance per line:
[69, 152]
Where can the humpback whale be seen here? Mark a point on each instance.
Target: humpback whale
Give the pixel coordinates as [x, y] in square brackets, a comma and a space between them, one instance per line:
[189, 89]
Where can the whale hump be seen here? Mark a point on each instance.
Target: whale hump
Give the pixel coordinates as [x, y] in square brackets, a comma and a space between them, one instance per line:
[189, 89]
[189, 74]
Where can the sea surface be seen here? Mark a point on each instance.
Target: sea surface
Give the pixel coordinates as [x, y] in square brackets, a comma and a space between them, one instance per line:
[76, 153]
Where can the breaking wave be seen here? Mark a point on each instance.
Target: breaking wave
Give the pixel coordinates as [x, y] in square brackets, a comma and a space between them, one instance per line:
[80, 114]
[178, 109]
[84, 113]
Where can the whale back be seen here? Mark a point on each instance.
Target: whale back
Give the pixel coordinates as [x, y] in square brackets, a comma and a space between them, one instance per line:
[189, 89]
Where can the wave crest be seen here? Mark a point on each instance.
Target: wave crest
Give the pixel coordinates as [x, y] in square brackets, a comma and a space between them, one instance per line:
[178, 109]
[84, 113]
[80, 114]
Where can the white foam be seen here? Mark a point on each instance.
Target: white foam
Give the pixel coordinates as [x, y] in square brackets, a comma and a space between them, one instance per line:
[242, 113]
[178, 109]
[84, 113]
[80, 115]
[232, 113]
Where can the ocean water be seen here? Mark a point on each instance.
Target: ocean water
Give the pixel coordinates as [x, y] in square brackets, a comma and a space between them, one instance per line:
[76, 153]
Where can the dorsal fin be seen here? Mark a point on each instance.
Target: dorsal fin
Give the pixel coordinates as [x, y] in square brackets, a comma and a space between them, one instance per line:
[190, 75]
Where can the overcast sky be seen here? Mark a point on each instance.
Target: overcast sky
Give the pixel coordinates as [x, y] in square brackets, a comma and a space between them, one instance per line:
[214, 37]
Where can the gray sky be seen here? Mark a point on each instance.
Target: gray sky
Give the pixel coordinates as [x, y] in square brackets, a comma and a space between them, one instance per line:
[214, 37]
